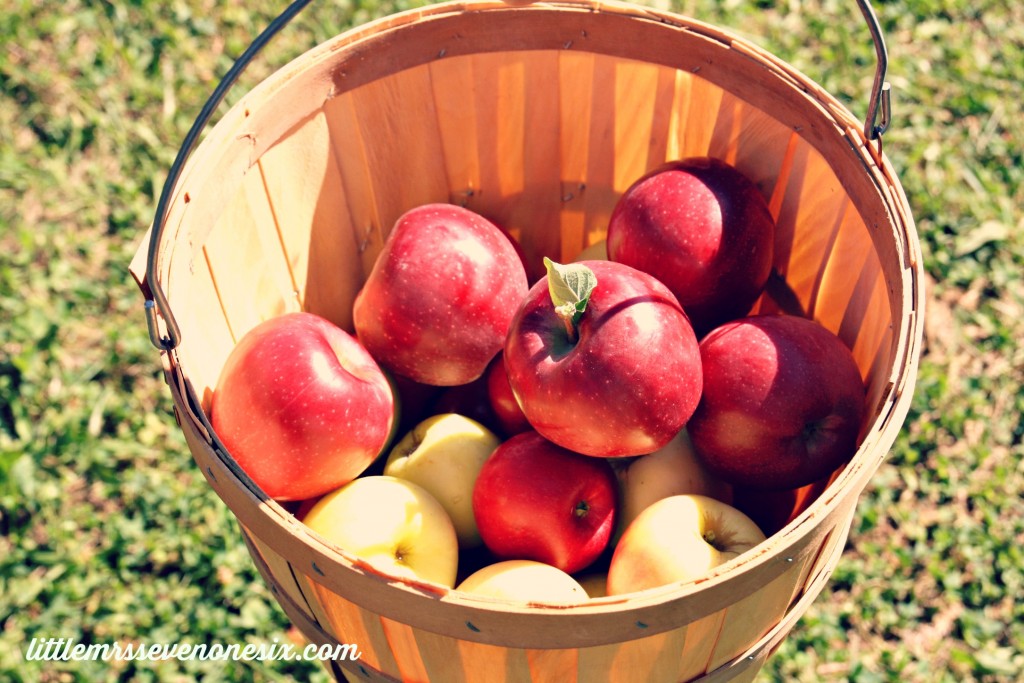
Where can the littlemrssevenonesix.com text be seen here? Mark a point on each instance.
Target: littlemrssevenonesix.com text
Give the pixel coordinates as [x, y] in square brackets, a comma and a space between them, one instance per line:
[68, 650]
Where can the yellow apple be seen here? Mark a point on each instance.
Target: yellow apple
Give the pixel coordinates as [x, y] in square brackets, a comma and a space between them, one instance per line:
[598, 251]
[671, 470]
[394, 525]
[525, 581]
[679, 539]
[444, 454]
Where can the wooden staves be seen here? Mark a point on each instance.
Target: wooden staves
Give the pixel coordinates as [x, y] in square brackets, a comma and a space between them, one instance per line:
[537, 117]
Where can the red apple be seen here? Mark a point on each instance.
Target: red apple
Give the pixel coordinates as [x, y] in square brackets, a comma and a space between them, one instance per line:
[534, 500]
[783, 402]
[704, 229]
[301, 406]
[439, 300]
[773, 509]
[414, 401]
[507, 413]
[468, 400]
[620, 378]
[520, 252]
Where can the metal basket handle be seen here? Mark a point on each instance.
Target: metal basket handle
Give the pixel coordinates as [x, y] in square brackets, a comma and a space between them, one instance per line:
[157, 306]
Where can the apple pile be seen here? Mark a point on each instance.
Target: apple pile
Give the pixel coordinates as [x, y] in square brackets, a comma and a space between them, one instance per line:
[621, 424]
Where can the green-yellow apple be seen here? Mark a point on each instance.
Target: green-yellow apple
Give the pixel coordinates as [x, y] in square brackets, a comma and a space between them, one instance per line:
[671, 470]
[598, 251]
[525, 581]
[444, 454]
[393, 525]
[438, 301]
[301, 406]
[679, 539]
[704, 229]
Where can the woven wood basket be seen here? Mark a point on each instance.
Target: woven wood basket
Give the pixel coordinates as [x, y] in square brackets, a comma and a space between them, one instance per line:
[538, 117]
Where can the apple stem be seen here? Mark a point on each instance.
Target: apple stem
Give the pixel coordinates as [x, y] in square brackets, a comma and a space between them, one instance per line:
[581, 509]
[568, 316]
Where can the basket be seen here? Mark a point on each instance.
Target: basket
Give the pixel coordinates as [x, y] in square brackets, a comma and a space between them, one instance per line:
[538, 117]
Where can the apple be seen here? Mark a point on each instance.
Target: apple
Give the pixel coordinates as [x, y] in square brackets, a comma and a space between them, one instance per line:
[301, 406]
[437, 304]
[671, 470]
[774, 509]
[444, 454]
[602, 360]
[526, 581]
[704, 229]
[517, 245]
[783, 402]
[502, 401]
[393, 525]
[413, 401]
[470, 400]
[679, 539]
[535, 500]
[598, 251]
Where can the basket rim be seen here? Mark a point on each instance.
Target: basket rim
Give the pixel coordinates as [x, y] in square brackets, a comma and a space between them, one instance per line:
[849, 482]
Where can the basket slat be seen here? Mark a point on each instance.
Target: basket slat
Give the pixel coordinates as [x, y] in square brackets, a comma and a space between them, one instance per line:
[249, 267]
[698, 103]
[349, 149]
[356, 625]
[303, 184]
[587, 157]
[514, 107]
[404, 162]
[203, 353]
[656, 658]
[286, 580]
[750, 618]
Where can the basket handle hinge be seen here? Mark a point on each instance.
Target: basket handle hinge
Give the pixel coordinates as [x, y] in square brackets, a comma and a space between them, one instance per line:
[157, 306]
[879, 103]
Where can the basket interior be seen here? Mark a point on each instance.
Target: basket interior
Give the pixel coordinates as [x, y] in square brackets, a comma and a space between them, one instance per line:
[541, 142]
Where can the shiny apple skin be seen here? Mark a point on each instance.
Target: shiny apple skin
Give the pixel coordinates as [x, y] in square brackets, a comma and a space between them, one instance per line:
[704, 229]
[534, 500]
[301, 406]
[626, 386]
[783, 402]
[437, 304]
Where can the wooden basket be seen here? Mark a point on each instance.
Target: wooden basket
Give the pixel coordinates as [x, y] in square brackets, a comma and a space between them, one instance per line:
[538, 117]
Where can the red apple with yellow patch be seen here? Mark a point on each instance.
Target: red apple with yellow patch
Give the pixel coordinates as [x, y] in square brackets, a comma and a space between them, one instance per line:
[301, 406]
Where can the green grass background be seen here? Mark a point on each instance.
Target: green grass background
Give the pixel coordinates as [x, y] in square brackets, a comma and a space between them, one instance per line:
[107, 530]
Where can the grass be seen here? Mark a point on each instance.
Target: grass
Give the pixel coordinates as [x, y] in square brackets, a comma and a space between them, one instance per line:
[107, 531]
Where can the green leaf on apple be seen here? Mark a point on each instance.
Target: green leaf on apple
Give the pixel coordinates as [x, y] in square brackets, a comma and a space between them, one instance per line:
[570, 287]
